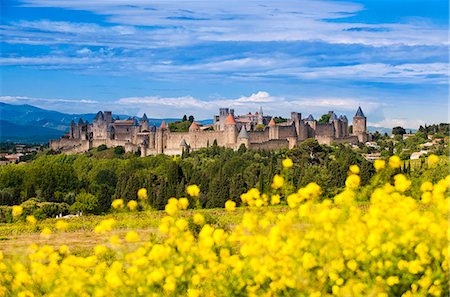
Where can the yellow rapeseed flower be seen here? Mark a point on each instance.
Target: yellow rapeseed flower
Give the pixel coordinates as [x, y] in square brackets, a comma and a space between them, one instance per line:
[62, 225]
[132, 236]
[171, 208]
[275, 199]
[352, 181]
[183, 203]
[100, 249]
[401, 183]
[46, 232]
[287, 163]
[132, 205]
[31, 220]
[395, 162]
[354, 169]
[230, 205]
[278, 181]
[117, 203]
[17, 210]
[379, 164]
[114, 240]
[193, 190]
[142, 194]
[198, 219]
[432, 160]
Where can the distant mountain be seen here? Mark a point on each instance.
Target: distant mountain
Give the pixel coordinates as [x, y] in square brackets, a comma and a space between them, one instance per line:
[383, 130]
[21, 123]
[10, 132]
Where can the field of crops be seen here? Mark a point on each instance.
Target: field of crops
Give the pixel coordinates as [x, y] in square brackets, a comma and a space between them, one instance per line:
[288, 242]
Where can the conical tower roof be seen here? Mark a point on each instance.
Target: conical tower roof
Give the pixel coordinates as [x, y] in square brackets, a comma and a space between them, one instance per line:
[80, 121]
[359, 113]
[310, 118]
[243, 133]
[144, 118]
[72, 123]
[99, 116]
[194, 126]
[163, 125]
[230, 120]
[333, 117]
[272, 123]
[183, 143]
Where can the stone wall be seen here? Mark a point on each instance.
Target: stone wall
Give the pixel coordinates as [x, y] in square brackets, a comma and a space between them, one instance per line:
[273, 144]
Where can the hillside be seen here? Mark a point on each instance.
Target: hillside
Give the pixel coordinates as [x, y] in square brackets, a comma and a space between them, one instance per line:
[11, 132]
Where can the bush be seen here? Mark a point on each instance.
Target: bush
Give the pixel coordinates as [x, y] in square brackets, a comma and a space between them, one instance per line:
[119, 150]
[102, 147]
[85, 202]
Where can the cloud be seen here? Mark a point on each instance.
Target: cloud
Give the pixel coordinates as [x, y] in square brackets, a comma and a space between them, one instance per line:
[175, 23]
[33, 100]
[395, 122]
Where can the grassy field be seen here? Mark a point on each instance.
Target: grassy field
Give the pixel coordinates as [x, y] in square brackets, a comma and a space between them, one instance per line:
[81, 239]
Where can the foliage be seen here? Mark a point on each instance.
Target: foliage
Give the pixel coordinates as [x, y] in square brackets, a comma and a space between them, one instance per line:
[101, 147]
[325, 118]
[398, 130]
[85, 202]
[179, 126]
[320, 247]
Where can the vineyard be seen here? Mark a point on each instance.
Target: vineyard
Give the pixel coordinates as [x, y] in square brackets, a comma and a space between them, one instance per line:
[283, 242]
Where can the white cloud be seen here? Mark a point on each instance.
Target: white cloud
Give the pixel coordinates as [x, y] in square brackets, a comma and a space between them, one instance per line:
[170, 23]
[395, 122]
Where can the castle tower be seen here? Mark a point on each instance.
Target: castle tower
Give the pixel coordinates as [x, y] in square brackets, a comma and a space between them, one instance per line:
[230, 131]
[296, 119]
[72, 129]
[243, 137]
[144, 123]
[107, 115]
[223, 114]
[79, 132]
[273, 129]
[360, 125]
[160, 135]
[260, 116]
[336, 124]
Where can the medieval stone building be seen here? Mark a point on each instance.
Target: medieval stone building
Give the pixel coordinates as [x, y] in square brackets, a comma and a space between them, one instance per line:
[255, 131]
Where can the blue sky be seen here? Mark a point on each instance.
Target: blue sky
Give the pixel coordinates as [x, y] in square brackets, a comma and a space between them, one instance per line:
[170, 58]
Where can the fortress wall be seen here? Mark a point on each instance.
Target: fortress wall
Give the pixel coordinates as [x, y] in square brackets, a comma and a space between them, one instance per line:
[347, 139]
[173, 139]
[258, 136]
[273, 144]
[324, 139]
[201, 139]
[286, 131]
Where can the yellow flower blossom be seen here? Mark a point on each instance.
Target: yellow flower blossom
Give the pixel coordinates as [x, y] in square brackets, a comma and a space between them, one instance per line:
[31, 220]
[132, 205]
[401, 183]
[17, 210]
[117, 203]
[432, 160]
[379, 164]
[132, 236]
[395, 162]
[198, 219]
[193, 190]
[61, 225]
[142, 194]
[46, 232]
[230, 205]
[352, 181]
[287, 163]
[354, 169]
[183, 203]
[278, 181]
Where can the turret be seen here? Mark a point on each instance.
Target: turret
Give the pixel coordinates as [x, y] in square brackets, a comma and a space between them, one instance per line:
[230, 131]
[243, 137]
[273, 129]
[144, 123]
[360, 125]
